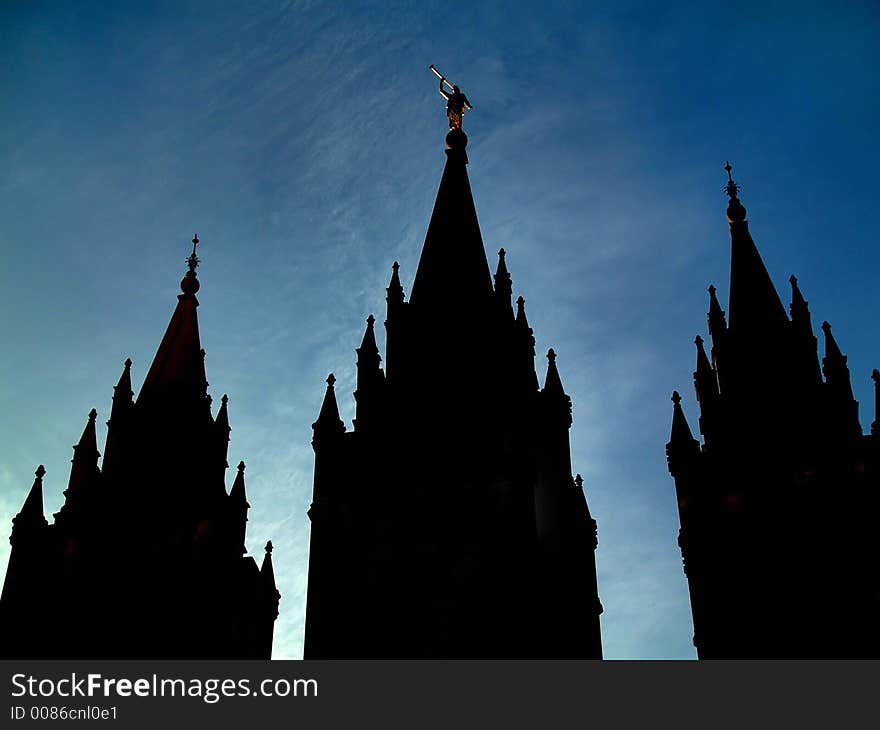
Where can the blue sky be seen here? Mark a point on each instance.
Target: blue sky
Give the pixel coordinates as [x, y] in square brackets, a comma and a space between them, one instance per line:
[303, 142]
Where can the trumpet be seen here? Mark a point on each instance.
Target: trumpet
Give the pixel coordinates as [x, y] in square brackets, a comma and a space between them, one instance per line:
[440, 76]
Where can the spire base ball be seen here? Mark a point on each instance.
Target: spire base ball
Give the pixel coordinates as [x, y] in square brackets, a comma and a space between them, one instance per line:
[456, 140]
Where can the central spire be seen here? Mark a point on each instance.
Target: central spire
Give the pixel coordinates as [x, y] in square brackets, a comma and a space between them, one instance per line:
[453, 269]
[179, 364]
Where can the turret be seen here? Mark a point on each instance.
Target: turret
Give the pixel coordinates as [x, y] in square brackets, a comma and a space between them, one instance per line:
[524, 347]
[239, 508]
[682, 448]
[556, 401]
[395, 322]
[119, 425]
[503, 287]
[329, 426]
[221, 437]
[370, 379]
[805, 342]
[84, 471]
[843, 409]
[30, 519]
[706, 387]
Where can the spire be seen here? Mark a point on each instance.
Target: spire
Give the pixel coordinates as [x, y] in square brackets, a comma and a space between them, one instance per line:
[754, 305]
[715, 317]
[682, 446]
[681, 431]
[553, 393]
[238, 493]
[368, 352]
[875, 426]
[328, 423]
[707, 390]
[807, 359]
[552, 383]
[582, 498]
[503, 283]
[222, 420]
[119, 415]
[704, 376]
[843, 404]
[798, 307]
[239, 509]
[521, 320]
[267, 573]
[453, 270]
[394, 292]
[178, 367]
[834, 358]
[85, 458]
[369, 378]
[31, 514]
[527, 343]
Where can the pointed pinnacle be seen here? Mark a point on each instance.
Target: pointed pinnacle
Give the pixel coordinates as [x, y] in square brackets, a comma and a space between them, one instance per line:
[551, 355]
[93, 414]
[127, 363]
[676, 398]
[40, 472]
[241, 466]
[370, 321]
[331, 379]
[269, 547]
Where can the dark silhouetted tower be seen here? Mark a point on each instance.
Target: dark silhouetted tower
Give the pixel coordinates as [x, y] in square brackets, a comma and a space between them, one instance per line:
[778, 504]
[146, 558]
[448, 523]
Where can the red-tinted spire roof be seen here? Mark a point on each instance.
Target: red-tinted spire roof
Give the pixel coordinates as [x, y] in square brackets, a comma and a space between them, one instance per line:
[178, 367]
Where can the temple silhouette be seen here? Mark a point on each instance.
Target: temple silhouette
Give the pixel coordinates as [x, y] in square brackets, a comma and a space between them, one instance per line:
[448, 522]
[778, 504]
[146, 558]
